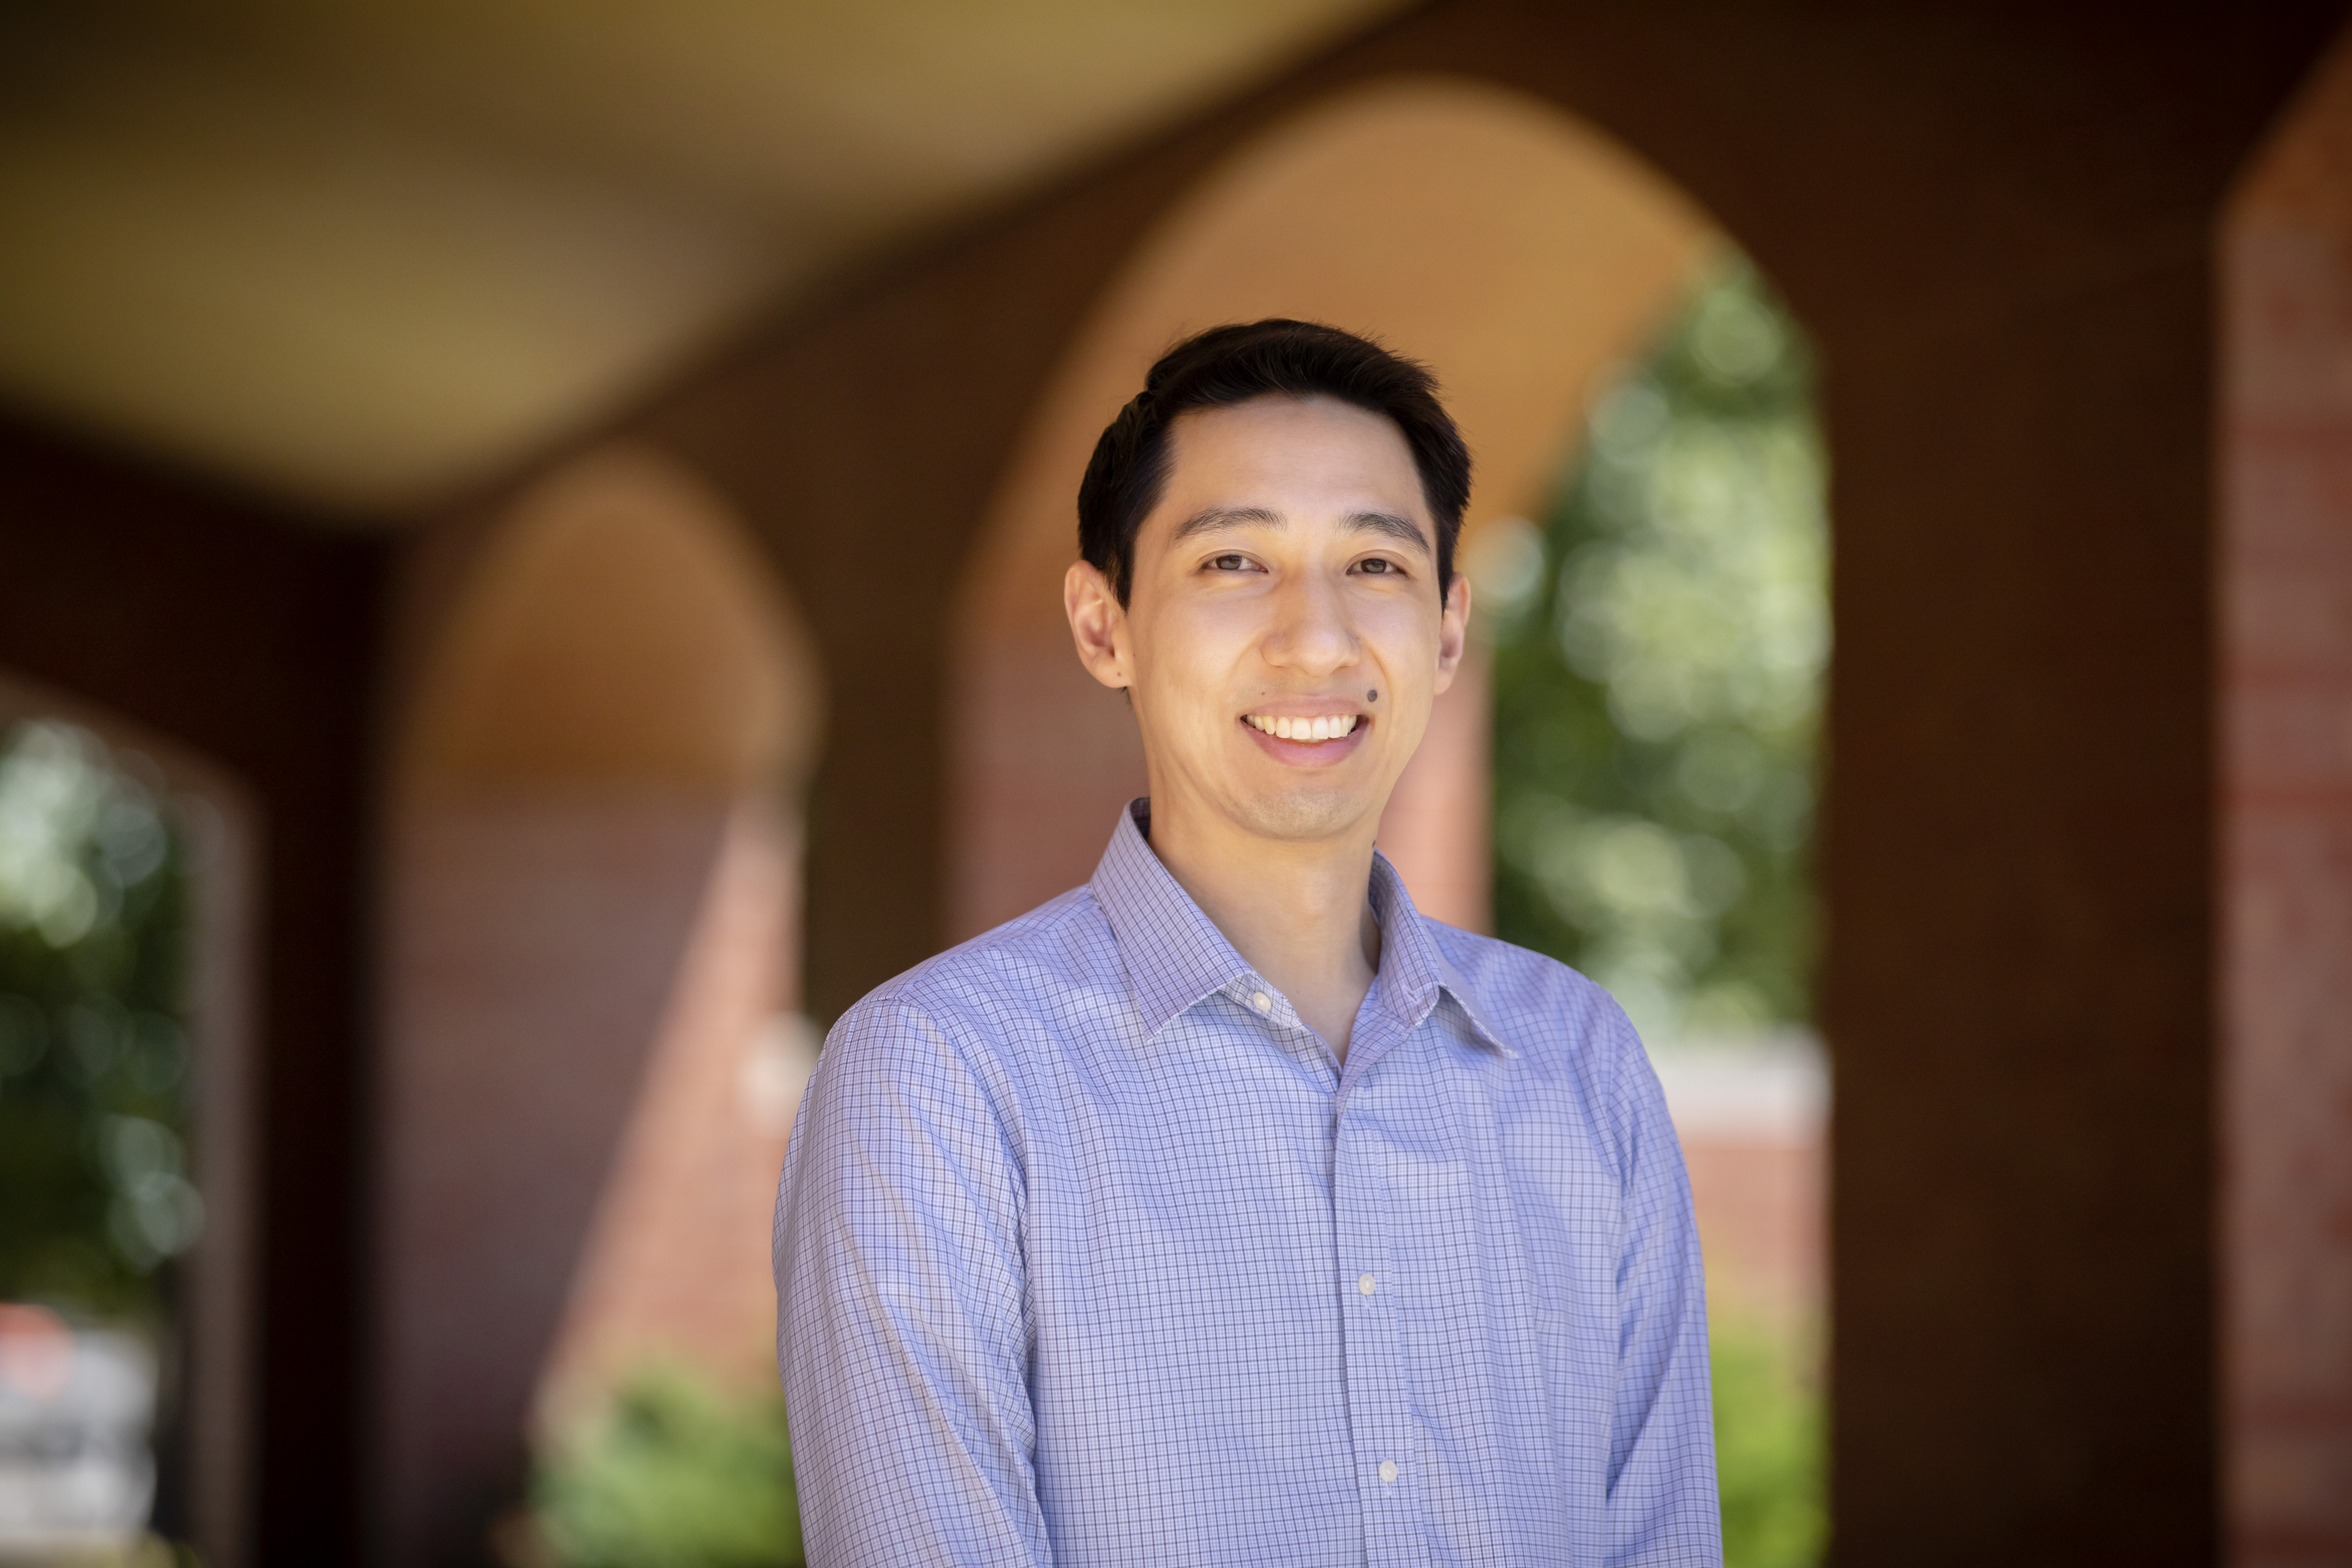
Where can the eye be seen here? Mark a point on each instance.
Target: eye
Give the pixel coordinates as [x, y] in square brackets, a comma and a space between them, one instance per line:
[1229, 564]
[1378, 566]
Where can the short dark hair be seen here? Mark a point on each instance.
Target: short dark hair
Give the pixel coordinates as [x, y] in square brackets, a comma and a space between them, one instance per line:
[1275, 357]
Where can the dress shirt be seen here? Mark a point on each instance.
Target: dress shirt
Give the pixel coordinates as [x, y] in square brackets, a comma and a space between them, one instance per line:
[1089, 1252]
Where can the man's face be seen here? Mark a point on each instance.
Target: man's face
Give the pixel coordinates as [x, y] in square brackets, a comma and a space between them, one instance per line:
[1285, 589]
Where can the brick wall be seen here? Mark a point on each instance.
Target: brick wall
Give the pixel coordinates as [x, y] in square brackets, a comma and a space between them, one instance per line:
[2286, 846]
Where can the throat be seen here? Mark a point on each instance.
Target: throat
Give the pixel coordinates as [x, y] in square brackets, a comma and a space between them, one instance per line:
[1298, 910]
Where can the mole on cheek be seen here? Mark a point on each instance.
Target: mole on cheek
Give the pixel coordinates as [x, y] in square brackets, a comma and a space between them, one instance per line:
[1373, 695]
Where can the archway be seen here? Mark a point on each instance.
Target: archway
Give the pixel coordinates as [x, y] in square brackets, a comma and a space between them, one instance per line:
[1515, 250]
[592, 1044]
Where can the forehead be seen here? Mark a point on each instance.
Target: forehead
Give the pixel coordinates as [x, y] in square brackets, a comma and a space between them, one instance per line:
[1304, 449]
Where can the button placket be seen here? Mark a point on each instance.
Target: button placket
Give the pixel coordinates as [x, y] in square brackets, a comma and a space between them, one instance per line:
[1381, 1420]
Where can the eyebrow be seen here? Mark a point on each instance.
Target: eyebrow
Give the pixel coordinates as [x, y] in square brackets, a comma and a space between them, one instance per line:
[1216, 517]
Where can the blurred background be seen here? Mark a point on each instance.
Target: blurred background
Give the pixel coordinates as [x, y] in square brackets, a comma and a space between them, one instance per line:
[529, 541]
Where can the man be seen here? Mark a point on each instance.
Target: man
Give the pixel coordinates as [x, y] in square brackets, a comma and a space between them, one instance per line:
[1224, 1210]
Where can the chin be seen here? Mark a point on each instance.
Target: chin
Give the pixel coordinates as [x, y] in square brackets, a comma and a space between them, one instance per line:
[1304, 812]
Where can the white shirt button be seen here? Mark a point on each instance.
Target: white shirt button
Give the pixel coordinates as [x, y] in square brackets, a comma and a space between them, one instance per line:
[1388, 1472]
[1365, 1284]
[1262, 1002]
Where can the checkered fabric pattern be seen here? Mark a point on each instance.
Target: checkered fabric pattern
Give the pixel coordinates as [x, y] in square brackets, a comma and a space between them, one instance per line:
[1089, 1252]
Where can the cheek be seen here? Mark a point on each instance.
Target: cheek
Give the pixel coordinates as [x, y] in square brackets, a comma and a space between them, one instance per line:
[1206, 638]
[1402, 641]
[1188, 658]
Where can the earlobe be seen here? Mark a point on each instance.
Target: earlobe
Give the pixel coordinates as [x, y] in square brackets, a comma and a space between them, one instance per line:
[1096, 618]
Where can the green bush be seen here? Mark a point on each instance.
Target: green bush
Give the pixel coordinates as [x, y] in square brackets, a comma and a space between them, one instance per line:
[94, 1063]
[1767, 1453]
[1660, 635]
[672, 1475]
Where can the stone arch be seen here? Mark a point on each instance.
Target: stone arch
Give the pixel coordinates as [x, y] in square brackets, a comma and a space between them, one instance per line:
[2285, 835]
[1518, 251]
[592, 1046]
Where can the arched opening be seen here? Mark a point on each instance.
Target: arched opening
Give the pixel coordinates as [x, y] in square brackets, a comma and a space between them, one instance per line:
[1516, 251]
[2285, 839]
[126, 1114]
[1535, 265]
[592, 1041]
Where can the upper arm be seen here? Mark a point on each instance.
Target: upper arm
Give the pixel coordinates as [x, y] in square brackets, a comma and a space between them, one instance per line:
[1661, 1491]
[901, 1305]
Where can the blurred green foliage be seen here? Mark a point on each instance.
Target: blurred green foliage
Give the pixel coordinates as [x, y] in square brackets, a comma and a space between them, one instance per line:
[93, 1049]
[1659, 640]
[672, 1475]
[1767, 1452]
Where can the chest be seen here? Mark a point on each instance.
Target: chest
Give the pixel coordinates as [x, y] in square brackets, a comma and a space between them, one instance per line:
[1224, 1183]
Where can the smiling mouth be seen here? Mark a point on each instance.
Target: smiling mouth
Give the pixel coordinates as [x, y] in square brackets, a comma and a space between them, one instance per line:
[1322, 727]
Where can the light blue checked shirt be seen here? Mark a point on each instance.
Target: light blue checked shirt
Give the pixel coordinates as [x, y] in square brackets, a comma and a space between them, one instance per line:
[1088, 1253]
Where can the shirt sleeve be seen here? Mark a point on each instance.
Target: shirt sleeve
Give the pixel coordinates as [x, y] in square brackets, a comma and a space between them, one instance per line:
[901, 1322]
[1663, 1506]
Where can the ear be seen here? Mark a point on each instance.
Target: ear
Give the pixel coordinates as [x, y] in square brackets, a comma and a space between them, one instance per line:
[1097, 625]
[1453, 629]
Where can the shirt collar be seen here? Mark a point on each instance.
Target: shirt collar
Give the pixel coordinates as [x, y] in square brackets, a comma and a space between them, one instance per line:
[1175, 955]
[1414, 971]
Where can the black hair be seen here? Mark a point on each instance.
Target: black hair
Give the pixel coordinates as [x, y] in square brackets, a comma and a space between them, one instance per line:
[1229, 364]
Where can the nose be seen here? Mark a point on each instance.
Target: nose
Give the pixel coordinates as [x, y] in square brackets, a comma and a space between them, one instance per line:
[1312, 634]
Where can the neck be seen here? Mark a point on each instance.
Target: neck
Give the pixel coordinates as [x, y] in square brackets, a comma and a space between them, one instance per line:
[1298, 910]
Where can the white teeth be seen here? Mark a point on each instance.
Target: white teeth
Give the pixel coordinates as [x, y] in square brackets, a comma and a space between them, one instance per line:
[1328, 728]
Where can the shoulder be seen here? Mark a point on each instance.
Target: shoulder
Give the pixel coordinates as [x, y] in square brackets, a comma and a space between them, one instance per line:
[1535, 1002]
[1559, 1023]
[1567, 1031]
[981, 992]
[939, 1051]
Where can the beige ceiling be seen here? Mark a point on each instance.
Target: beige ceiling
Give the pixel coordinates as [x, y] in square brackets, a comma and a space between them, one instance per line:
[362, 254]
